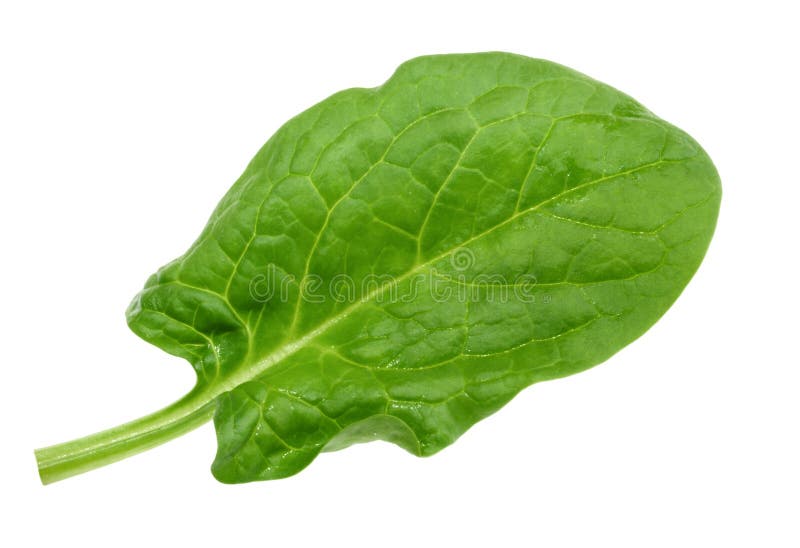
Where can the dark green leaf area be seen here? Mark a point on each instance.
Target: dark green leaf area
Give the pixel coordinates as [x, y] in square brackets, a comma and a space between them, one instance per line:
[397, 263]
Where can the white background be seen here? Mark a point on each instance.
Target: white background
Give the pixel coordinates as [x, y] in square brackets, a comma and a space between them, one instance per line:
[120, 129]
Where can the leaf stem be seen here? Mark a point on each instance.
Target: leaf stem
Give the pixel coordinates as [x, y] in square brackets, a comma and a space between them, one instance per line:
[71, 458]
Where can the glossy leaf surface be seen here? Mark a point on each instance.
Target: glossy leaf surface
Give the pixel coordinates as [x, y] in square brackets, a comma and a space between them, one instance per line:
[397, 263]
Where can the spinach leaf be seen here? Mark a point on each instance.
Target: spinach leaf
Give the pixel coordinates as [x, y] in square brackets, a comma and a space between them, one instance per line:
[397, 263]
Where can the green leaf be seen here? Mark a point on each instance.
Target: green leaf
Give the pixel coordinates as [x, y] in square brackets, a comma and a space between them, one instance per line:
[397, 263]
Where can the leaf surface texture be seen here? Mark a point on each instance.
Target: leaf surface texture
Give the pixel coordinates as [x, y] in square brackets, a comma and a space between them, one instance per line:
[397, 263]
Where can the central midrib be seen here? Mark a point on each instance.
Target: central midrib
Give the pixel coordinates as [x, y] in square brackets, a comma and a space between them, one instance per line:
[259, 367]
[195, 408]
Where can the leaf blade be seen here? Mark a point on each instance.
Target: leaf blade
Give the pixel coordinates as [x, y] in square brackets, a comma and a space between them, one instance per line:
[532, 173]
